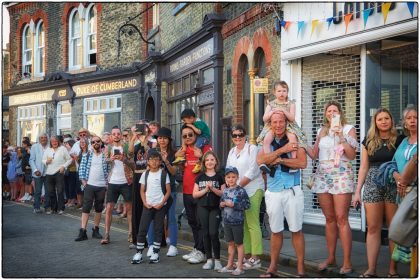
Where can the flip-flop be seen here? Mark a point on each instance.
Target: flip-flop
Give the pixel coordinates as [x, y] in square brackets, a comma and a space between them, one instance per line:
[368, 275]
[393, 275]
[323, 266]
[344, 271]
[269, 275]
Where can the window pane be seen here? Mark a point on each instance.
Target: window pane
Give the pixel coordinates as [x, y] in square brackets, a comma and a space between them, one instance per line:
[65, 108]
[119, 102]
[194, 79]
[178, 87]
[208, 76]
[95, 105]
[103, 104]
[92, 42]
[41, 35]
[75, 24]
[41, 60]
[28, 39]
[186, 84]
[92, 21]
[112, 103]
[32, 129]
[171, 90]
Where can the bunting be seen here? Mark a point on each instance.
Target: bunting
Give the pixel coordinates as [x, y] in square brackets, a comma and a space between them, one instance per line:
[347, 19]
[410, 6]
[385, 10]
[366, 14]
[314, 24]
[300, 26]
[329, 21]
[285, 24]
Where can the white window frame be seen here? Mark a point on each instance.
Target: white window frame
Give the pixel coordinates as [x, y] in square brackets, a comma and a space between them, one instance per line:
[61, 116]
[155, 18]
[27, 116]
[72, 39]
[88, 34]
[39, 49]
[98, 111]
[26, 49]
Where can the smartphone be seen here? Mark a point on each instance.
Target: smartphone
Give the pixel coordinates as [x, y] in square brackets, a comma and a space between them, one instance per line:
[140, 128]
[335, 121]
[117, 152]
[357, 206]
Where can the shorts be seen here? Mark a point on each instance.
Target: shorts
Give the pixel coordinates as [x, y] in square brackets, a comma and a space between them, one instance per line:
[285, 204]
[373, 194]
[334, 180]
[201, 141]
[114, 190]
[234, 233]
[93, 193]
[27, 178]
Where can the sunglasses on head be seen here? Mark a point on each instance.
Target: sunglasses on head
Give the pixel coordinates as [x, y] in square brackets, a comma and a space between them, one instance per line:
[238, 135]
[188, 135]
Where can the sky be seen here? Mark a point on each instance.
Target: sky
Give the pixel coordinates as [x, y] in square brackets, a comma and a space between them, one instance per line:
[6, 26]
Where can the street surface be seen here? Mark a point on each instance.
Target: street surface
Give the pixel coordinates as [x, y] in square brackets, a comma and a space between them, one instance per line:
[40, 245]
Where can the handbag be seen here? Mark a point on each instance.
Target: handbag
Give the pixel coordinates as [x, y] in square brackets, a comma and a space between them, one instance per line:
[403, 228]
[311, 180]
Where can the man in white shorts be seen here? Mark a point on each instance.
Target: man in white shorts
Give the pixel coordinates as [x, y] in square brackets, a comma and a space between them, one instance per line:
[284, 195]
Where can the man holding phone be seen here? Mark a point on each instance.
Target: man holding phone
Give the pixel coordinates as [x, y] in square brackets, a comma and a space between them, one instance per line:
[120, 179]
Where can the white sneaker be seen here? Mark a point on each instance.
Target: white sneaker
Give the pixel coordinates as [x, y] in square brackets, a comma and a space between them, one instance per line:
[138, 258]
[238, 272]
[189, 255]
[150, 251]
[25, 197]
[198, 257]
[252, 264]
[60, 212]
[172, 251]
[154, 258]
[29, 197]
[208, 265]
[217, 265]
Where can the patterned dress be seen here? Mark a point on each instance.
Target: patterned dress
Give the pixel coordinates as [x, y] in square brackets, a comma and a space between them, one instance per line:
[292, 127]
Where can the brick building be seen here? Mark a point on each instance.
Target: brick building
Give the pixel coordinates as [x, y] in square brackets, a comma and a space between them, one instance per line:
[364, 66]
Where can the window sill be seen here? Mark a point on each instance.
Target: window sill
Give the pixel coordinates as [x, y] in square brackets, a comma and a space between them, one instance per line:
[30, 80]
[83, 70]
[179, 8]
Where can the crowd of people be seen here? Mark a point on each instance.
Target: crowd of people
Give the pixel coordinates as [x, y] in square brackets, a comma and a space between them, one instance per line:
[137, 168]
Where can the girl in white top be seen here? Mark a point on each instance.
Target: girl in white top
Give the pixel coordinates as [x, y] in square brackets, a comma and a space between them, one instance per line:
[335, 147]
[244, 157]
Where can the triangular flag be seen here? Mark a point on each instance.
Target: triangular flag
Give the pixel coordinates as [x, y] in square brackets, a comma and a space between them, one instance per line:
[300, 25]
[411, 8]
[385, 10]
[314, 24]
[330, 20]
[286, 25]
[366, 14]
[347, 19]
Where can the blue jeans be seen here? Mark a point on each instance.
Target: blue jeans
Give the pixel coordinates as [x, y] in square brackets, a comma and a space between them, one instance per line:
[38, 191]
[172, 225]
[201, 141]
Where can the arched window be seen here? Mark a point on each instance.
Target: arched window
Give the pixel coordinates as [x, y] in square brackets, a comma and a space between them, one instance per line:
[75, 42]
[90, 57]
[39, 49]
[27, 52]
[261, 68]
[244, 68]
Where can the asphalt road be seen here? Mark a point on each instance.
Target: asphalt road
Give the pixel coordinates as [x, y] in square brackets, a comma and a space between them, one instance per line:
[39, 245]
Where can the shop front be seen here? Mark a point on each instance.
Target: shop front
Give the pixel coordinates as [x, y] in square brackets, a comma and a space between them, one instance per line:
[364, 55]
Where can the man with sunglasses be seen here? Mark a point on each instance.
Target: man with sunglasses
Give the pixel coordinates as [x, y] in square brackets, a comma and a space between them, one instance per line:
[192, 155]
[93, 173]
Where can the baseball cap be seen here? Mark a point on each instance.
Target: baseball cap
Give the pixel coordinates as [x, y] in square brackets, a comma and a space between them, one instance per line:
[231, 169]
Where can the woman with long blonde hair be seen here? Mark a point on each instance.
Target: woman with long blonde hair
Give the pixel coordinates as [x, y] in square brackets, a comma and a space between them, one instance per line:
[379, 146]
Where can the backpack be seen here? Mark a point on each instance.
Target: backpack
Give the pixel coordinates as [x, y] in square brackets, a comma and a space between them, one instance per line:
[162, 184]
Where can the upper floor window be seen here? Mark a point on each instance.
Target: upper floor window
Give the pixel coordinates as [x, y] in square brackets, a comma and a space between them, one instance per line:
[39, 49]
[155, 15]
[27, 52]
[82, 37]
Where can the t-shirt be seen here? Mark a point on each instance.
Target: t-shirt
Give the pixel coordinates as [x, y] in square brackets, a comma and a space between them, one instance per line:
[118, 175]
[96, 172]
[205, 130]
[189, 176]
[154, 194]
[210, 199]
[383, 154]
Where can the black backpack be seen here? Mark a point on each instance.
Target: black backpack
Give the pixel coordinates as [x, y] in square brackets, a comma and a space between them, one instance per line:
[163, 185]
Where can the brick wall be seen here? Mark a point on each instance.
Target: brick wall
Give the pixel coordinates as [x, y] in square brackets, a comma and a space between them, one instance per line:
[326, 77]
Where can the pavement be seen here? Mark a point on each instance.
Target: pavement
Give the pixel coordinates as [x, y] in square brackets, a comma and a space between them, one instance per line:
[315, 250]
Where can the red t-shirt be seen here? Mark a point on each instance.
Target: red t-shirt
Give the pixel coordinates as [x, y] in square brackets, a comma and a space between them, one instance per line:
[189, 176]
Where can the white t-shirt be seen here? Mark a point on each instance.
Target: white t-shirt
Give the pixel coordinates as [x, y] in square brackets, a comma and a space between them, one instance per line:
[118, 175]
[96, 173]
[328, 142]
[154, 194]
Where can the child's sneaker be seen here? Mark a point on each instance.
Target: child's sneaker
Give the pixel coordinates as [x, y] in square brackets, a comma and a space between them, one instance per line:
[225, 270]
[252, 264]
[172, 251]
[186, 257]
[208, 265]
[138, 258]
[154, 258]
[179, 160]
[217, 265]
[238, 272]
[150, 251]
[197, 168]
[264, 168]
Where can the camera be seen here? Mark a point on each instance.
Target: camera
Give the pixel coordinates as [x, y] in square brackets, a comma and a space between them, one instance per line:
[141, 128]
[117, 152]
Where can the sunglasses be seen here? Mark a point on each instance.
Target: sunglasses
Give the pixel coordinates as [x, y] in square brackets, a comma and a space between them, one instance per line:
[82, 134]
[240, 135]
[97, 141]
[189, 135]
[125, 135]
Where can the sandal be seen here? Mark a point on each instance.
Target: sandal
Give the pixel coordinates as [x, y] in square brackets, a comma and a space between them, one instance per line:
[269, 274]
[344, 271]
[105, 240]
[393, 275]
[325, 265]
[130, 238]
[368, 275]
